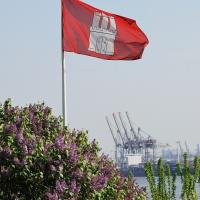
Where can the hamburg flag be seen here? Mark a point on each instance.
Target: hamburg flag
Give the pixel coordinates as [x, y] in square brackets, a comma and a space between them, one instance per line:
[94, 32]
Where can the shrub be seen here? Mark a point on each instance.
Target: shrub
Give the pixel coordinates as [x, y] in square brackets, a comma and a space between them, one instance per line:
[165, 186]
[39, 159]
[189, 179]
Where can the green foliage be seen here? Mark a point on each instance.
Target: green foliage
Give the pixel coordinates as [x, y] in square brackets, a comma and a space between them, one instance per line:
[151, 179]
[174, 186]
[165, 188]
[189, 179]
[39, 159]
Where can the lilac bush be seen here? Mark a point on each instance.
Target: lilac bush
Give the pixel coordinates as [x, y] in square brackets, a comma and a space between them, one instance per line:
[39, 159]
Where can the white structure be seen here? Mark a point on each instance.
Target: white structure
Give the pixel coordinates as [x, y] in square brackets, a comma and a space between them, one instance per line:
[102, 34]
[133, 159]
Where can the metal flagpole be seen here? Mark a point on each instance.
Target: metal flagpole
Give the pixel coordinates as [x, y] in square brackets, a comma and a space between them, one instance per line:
[64, 77]
[64, 86]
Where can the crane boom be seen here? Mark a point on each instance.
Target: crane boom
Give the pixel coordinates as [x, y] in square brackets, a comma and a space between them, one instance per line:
[118, 129]
[124, 126]
[111, 130]
[131, 125]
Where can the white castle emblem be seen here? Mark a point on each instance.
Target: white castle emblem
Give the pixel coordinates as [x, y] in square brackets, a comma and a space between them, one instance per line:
[102, 34]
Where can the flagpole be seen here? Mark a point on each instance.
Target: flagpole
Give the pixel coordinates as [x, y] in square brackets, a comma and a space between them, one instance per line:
[64, 77]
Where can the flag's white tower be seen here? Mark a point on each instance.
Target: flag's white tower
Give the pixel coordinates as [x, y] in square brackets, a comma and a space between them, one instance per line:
[102, 34]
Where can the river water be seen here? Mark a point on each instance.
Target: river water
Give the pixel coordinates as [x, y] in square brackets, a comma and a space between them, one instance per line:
[142, 181]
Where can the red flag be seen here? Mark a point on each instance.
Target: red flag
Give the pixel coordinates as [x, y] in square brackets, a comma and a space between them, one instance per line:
[94, 32]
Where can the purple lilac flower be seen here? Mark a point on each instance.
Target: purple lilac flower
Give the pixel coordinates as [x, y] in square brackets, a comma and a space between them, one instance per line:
[99, 182]
[13, 127]
[25, 149]
[77, 173]
[31, 115]
[33, 120]
[18, 120]
[74, 188]
[53, 168]
[6, 128]
[73, 147]
[47, 110]
[52, 196]
[46, 147]
[10, 128]
[59, 143]
[39, 127]
[30, 146]
[20, 137]
[104, 157]
[35, 130]
[8, 110]
[120, 182]
[88, 155]
[107, 170]
[17, 161]
[73, 156]
[60, 186]
[7, 152]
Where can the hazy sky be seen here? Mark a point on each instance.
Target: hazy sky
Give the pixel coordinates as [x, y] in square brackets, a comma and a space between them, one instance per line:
[160, 91]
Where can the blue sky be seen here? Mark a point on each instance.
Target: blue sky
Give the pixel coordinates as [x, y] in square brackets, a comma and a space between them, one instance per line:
[160, 91]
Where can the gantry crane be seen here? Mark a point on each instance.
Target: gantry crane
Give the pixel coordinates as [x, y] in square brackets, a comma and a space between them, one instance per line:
[126, 133]
[136, 142]
[129, 142]
[119, 130]
[114, 138]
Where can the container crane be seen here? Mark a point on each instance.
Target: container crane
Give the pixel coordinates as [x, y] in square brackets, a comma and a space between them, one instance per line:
[136, 138]
[125, 131]
[112, 132]
[114, 138]
[119, 129]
